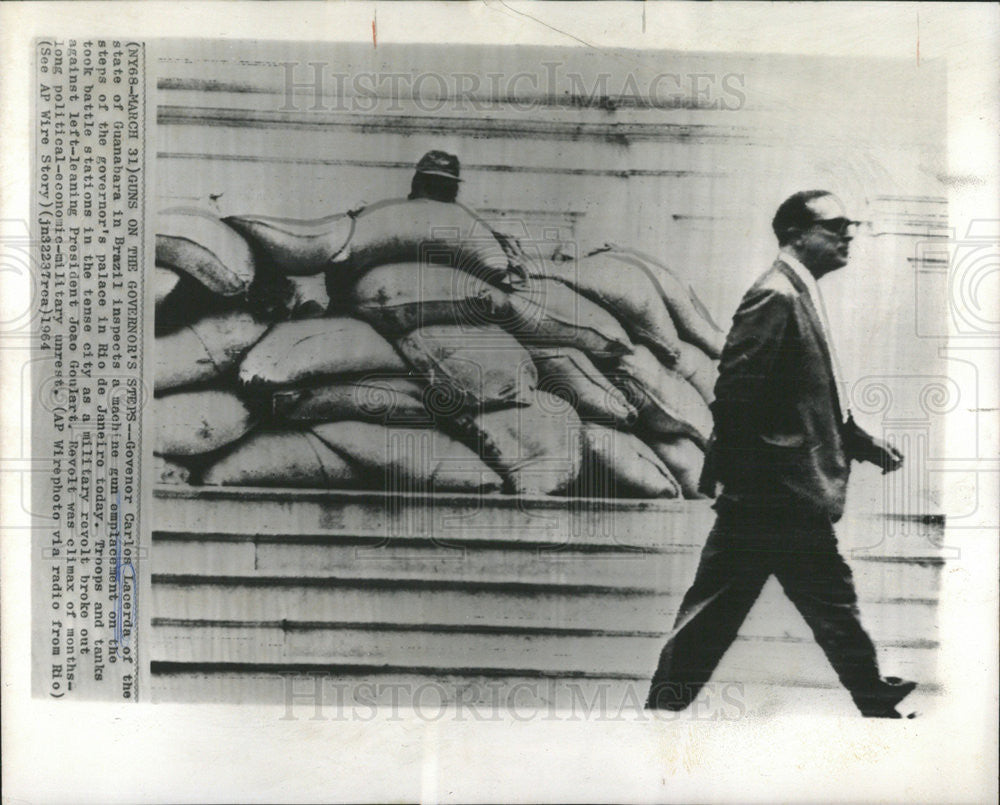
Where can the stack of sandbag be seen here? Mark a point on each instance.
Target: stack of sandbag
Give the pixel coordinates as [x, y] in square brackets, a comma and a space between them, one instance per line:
[701, 343]
[410, 347]
[665, 379]
[270, 381]
[204, 271]
[216, 296]
[392, 231]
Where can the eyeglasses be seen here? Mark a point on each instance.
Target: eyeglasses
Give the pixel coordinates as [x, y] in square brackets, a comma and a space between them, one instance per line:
[837, 226]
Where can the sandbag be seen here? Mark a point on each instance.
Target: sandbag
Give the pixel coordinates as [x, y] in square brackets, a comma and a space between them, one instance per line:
[166, 471]
[623, 288]
[164, 284]
[698, 369]
[424, 231]
[383, 399]
[204, 350]
[548, 314]
[281, 458]
[689, 315]
[296, 246]
[618, 464]
[568, 373]
[401, 297]
[275, 297]
[667, 403]
[684, 459]
[407, 459]
[536, 449]
[180, 300]
[470, 366]
[196, 422]
[200, 245]
[295, 352]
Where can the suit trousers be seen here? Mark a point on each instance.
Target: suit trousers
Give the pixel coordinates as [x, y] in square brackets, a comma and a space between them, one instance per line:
[745, 547]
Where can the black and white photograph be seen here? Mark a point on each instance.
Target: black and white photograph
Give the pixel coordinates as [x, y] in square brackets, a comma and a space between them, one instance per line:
[501, 402]
[485, 316]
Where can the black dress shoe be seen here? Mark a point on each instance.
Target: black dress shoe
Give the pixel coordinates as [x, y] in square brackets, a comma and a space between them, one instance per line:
[658, 701]
[892, 712]
[882, 702]
[672, 696]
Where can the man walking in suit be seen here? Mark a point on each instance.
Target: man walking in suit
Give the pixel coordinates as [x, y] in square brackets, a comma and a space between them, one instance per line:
[782, 449]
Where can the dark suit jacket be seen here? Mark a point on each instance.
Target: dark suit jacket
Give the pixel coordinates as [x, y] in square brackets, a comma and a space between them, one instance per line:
[779, 441]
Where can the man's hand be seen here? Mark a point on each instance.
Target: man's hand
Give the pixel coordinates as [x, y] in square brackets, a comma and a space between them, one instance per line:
[886, 456]
[862, 446]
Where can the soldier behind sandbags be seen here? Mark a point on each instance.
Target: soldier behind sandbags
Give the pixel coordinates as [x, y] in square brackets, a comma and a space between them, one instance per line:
[436, 177]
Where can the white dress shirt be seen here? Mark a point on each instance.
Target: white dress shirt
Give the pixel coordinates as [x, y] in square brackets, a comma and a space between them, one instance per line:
[812, 287]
